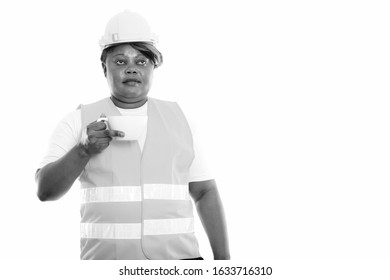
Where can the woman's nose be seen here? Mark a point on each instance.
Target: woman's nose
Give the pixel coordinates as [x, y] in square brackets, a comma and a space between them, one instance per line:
[131, 70]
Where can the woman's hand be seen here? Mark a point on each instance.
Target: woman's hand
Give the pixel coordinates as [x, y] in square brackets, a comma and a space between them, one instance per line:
[99, 137]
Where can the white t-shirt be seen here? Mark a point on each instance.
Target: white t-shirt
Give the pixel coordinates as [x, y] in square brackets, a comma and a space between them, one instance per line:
[69, 131]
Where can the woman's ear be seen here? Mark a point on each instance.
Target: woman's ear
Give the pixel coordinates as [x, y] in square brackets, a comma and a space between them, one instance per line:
[104, 69]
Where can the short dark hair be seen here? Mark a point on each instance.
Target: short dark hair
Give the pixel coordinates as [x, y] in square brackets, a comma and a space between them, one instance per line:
[146, 48]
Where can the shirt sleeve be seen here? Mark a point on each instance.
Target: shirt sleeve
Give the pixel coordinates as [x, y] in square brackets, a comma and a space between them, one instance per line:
[65, 136]
[199, 170]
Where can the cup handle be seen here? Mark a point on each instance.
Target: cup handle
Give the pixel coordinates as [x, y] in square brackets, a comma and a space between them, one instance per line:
[104, 119]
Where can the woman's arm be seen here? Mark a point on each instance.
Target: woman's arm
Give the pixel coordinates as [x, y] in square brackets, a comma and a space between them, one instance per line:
[210, 210]
[56, 178]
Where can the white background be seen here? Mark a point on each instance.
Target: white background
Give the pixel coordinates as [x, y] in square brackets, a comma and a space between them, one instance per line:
[290, 99]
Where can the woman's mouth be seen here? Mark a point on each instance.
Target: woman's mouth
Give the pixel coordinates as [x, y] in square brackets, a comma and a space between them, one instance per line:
[131, 81]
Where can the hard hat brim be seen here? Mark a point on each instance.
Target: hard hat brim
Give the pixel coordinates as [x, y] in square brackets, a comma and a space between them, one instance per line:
[115, 39]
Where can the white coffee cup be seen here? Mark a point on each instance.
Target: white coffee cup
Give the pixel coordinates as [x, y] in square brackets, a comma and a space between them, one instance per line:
[132, 126]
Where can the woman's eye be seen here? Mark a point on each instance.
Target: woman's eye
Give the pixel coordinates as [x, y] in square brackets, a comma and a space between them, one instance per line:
[120, 62]
[142, 62]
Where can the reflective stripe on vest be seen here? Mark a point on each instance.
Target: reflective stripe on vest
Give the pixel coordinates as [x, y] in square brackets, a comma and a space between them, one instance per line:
[133, 193]
[133, 230]
[136, 205]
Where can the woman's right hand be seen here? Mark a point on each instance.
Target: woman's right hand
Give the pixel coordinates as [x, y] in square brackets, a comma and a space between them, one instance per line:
[99, 137]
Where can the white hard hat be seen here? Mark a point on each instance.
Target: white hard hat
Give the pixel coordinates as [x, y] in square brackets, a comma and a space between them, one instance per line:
[127, 27]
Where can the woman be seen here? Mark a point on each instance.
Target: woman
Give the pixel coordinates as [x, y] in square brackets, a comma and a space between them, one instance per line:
[135, 194]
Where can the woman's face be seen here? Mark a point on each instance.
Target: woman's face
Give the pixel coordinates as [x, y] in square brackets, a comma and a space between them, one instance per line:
[129, 74]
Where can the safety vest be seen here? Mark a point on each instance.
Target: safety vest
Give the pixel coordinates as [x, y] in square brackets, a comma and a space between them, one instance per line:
[136, 205]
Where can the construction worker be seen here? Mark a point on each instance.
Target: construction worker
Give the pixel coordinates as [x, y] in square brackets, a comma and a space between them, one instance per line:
[135, 195]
